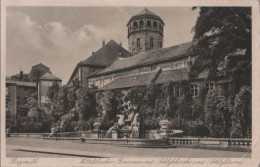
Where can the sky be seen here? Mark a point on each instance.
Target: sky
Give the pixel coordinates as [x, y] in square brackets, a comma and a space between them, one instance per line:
[60, 37]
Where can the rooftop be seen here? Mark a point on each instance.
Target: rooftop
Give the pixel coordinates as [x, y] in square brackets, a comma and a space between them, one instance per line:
[20, 83]
[106, 55]
[147, 58]
[146, 79]
[49, 76]
[145, 13]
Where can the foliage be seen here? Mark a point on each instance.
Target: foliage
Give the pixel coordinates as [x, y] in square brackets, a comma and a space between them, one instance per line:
[242, 113]
[217, 116]
[223, 43]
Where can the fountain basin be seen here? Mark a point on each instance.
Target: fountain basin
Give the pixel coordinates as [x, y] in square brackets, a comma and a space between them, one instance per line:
[142, 143]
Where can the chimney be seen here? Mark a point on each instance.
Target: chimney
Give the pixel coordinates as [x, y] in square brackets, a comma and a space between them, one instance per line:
[103, 42]
[21, 75]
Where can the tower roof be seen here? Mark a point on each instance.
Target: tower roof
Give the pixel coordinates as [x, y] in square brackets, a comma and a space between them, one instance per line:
[145, 13]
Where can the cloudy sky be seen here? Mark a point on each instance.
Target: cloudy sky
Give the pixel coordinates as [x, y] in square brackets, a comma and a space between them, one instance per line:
[60, 37]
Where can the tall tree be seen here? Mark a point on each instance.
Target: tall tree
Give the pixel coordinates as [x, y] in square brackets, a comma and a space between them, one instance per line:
[222, 41]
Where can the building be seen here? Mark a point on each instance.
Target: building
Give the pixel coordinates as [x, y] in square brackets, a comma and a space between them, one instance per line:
[151, 63]
[99, 60]
[145, 32]
[44, 83]
[20, 87]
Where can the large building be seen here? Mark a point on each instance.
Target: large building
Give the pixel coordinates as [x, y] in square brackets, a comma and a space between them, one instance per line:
[146, 62]
[151, 63]
[21, 86]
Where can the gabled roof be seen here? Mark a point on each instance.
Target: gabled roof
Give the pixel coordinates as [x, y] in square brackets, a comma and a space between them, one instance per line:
[145, 13]
[147, 58]
[106, 55]
[49, 76]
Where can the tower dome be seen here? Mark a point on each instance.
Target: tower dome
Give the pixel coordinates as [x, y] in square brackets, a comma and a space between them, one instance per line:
[145, 32]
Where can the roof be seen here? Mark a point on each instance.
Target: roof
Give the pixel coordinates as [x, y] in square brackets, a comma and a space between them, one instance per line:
[20, 83]
[49, 76]
[173, 76]
[106, 55]
[145, 13]
[130, 81]
[37, 71]
[40, 65]
[147, 58]
[18, 75]
[146, 79]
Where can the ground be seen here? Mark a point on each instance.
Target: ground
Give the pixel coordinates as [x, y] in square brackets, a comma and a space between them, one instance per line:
[33, 147]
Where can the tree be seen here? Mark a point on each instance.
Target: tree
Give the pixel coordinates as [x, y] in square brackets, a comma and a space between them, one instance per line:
[222, 42]
[217, 117]
[242, 113]
[53, 91]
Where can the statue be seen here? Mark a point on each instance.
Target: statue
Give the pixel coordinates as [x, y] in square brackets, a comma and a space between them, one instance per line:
[121, 121]
[135, 127]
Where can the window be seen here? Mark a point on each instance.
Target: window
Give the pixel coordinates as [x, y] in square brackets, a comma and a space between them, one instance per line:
[151, 42]
[155, 24]
[148, 23]
[194, 89]
[177, 91]
[138, 42]
[210, 86]
[141, 23]
[6, 104]
[97, 83]
[135, 25]
[26, 89]
[160, 26]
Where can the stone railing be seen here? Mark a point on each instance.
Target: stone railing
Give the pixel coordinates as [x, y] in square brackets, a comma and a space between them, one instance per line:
[211, 142]
[27, 135]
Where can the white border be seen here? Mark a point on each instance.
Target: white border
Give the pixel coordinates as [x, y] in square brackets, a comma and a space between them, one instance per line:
[254, 161]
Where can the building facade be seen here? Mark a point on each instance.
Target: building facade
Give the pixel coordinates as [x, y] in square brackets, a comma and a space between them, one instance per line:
[21, 86]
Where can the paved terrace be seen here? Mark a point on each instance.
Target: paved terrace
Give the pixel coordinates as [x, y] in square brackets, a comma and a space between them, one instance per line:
[32, 147]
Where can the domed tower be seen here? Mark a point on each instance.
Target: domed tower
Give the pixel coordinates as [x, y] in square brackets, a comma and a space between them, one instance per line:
[145, 32]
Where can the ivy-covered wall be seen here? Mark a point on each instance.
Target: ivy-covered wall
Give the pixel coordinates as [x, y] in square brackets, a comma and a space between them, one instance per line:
[210, 113]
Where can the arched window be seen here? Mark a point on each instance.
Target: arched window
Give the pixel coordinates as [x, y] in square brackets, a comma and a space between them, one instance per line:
[155, 24]
[151, 42]
[148, 23]
[141, 23]
[135, 25]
